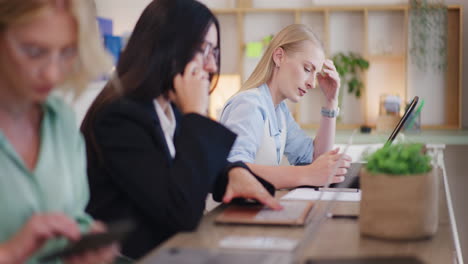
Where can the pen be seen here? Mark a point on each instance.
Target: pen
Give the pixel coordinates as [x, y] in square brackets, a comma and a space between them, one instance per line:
[418, 111]
[342, 216]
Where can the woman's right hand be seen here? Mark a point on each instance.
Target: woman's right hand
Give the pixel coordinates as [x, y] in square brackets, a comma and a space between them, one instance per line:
[100, 255]
[34, 234]
[316, 174]
[191, 88]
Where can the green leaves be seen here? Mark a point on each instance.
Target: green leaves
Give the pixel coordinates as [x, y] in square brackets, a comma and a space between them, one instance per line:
[399, 159]
[428, 34]
[349, 67]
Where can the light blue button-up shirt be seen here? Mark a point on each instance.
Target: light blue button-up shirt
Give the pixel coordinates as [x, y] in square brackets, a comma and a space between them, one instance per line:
[245, 115]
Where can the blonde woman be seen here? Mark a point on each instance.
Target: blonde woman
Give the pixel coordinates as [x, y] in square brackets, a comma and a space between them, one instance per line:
[292, 64]
[43, 184]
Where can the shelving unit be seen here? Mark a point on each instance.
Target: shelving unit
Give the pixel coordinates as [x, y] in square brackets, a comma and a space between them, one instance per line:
[378, 33]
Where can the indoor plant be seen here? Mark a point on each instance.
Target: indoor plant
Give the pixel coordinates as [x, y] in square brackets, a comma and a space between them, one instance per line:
[350, 67]
[399, 193]
[428, 38]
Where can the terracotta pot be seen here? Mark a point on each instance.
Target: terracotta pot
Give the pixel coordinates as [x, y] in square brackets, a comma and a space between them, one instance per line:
[399, 207]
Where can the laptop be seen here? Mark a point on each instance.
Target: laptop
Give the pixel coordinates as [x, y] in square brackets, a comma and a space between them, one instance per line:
[352, 176]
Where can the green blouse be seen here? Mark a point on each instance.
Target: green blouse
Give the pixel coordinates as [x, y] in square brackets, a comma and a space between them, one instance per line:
[58, 183]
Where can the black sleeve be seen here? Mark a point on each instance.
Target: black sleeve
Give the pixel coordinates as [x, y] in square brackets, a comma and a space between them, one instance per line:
[172, 194]
[221, 182]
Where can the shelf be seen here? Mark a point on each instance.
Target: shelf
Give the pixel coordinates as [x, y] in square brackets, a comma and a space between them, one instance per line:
[225, 11]
[339, 126]
[377, 32]
[324, 8]
[269, 10]
[386, 57]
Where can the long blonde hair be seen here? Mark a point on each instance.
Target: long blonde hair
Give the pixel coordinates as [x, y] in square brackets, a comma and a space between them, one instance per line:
[92, 60]
[290, 39]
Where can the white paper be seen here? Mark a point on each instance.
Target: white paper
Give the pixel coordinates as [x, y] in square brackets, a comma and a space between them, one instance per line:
[258, 242]
[351, 195]
[357, 152]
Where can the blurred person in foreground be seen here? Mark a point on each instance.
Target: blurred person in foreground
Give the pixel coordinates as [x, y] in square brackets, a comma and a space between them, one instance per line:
[43, 185]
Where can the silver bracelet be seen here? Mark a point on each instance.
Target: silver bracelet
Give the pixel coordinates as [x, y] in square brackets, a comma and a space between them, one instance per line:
[331, 113]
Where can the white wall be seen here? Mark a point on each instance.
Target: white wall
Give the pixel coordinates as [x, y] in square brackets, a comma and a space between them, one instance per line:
[81, 104]
[124, 13]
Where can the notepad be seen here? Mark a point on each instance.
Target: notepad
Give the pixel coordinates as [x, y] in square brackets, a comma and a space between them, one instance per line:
[360, 151]
[353, 195]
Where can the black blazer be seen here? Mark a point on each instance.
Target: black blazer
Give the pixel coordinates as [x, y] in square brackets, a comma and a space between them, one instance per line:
[135, 177]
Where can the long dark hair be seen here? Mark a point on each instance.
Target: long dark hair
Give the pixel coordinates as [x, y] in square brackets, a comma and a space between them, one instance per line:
[166, 37]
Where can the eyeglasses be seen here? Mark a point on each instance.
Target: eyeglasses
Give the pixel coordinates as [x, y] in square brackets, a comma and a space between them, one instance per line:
[38, 58]
[206, 49]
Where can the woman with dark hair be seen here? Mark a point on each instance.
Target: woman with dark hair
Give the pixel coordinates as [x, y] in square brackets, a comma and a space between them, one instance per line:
[152, 154]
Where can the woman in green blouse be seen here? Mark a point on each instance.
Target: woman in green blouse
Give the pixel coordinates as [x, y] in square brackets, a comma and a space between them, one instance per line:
[43, 183]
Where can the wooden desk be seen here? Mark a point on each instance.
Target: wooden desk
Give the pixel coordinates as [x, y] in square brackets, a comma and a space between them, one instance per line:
[456, 162]
[335, 238]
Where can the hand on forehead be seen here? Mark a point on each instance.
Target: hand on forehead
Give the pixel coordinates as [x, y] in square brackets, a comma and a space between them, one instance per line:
[312, 55]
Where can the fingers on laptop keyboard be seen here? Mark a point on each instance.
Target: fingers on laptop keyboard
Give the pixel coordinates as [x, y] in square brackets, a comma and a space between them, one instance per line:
[338, 179]
[341, 172]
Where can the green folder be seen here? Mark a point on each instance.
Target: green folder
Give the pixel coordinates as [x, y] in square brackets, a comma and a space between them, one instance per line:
[254, 49]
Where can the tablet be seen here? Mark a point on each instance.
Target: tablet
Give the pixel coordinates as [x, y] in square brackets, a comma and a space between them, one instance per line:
[91, 241]
[294, 213]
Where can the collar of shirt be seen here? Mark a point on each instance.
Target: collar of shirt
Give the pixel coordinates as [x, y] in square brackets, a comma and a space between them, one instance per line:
[168, 124]
[50, 108]
[274, 113]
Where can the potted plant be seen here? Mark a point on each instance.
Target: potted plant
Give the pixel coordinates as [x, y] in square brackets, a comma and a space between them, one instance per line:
[399, 193]
[349, 67]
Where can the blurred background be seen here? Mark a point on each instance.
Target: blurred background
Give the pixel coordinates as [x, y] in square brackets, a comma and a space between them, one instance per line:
[387, 51]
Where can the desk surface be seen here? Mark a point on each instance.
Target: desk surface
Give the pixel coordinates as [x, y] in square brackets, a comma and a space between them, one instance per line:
[340, 236]
[455, 159]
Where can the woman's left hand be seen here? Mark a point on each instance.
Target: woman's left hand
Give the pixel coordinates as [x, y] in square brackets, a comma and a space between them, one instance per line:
[329, 81]
[98, 256]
